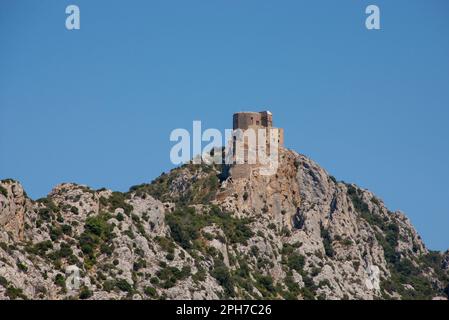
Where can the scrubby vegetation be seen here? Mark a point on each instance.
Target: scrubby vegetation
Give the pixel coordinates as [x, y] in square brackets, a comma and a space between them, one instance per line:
[224, 278]
[185, 225]
[201, 245]
[200, 189]
[409, 276]
[168, 276]
[116, 200]
[12, 292]
[97, 232]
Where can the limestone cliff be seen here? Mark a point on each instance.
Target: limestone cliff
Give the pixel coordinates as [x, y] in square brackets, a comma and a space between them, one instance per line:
[196, 234]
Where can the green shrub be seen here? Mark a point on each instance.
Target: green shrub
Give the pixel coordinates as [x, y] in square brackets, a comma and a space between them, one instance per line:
[45, 214]
[296, 261]
[324, 283]
[85, 293]
[15, 293]
[50, 208]
[3, 282]
[123, 285]
[166, 244]
[97, 233]
[265, 284]
[65, 250]
[55, 232]
[307, 294]
[108, 285]
[107, 249]
[98, 226]
[170, 275]
[327, 241]
[74, 210]
[170, 256]
[139, 264]
[150, 291]
[39, 248]
[66, 229]
[120, 216]
[293, 288]
[22, 267]
[60, 280]
[222, 275]
[200, 275]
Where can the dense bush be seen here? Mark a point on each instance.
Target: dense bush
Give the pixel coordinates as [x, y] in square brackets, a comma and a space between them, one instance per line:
[97, 232]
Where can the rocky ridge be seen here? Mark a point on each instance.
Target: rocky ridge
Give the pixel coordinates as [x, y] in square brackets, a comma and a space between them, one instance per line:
[195, 234]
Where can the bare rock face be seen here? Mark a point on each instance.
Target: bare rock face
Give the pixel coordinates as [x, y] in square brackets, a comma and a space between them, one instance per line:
[13, 205]
[298, 234]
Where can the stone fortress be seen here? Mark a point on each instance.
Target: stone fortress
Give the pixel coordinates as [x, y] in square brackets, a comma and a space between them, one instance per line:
[243, 121]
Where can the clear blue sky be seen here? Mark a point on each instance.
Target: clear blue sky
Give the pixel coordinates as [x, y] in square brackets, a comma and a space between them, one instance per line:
[96, 106]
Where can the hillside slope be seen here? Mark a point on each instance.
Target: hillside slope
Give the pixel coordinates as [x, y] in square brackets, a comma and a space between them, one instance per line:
[194, 234]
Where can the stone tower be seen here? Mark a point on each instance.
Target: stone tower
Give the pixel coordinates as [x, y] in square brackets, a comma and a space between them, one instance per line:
[243, 121]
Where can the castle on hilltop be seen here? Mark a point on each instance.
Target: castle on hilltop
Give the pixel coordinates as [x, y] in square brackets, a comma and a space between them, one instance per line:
[247, 125]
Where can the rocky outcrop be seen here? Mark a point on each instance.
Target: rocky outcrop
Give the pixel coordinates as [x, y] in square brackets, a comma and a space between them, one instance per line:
[14, 203]
[298, 234]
